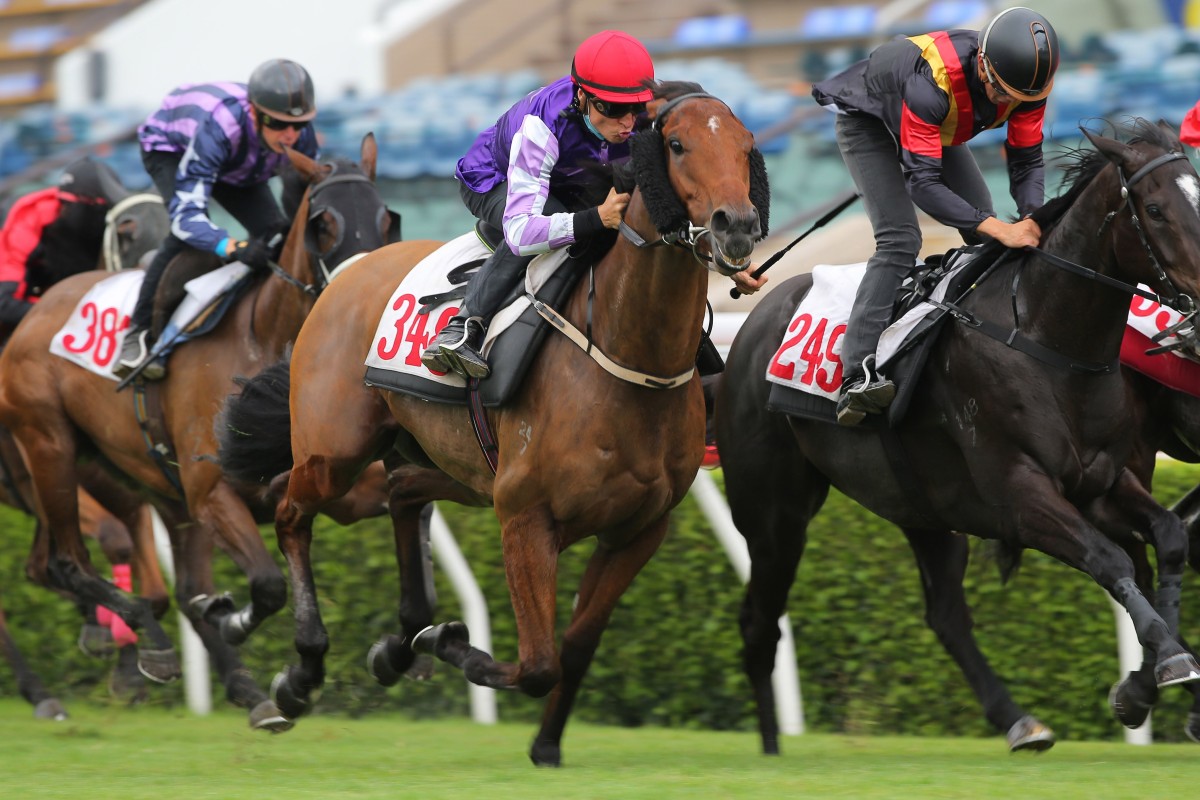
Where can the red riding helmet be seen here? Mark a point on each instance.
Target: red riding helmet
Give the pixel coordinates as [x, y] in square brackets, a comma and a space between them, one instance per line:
[612, 65]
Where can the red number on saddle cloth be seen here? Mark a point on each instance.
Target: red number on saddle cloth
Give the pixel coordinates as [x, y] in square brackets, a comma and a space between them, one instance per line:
[388, 351]
[102, 330]
[786, 370]
[1142, 307]
[817, 352]
[420, 337]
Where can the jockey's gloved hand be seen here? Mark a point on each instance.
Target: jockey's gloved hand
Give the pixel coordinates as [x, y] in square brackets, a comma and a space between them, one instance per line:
[253, 253]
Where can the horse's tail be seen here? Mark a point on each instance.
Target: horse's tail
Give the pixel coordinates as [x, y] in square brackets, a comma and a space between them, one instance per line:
[254, 430]
[1008, 558]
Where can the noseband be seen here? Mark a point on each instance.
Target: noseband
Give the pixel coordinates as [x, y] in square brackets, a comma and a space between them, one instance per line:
[689, 236]
[324, 273]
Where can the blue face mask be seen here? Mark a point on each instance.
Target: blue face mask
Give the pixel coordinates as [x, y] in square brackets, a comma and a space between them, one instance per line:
[587, 120]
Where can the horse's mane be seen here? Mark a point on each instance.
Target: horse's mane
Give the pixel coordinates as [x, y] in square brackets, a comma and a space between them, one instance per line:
[1083, 165]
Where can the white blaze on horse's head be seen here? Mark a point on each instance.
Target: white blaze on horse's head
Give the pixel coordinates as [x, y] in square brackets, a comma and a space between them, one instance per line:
[714, 124]
[1190, 186]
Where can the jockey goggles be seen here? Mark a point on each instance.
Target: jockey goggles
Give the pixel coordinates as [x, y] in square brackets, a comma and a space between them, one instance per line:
[612, 110]
[280, 124]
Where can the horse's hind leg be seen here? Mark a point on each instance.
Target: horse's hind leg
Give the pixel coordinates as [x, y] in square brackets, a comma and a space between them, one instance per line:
[50, 453]
[942, 559]
[45, 705]
[609, 573]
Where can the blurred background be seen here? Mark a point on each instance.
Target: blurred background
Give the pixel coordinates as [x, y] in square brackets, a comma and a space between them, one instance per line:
[77, 76]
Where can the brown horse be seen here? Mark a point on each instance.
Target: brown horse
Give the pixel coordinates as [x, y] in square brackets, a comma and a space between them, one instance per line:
[1002, 443]
[59, 413]
[581, 453]
[134, 224]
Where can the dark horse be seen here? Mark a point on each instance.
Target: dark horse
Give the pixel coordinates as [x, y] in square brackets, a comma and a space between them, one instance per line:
[60, 412]
[132, 224]
[581, 453]
[997, 443]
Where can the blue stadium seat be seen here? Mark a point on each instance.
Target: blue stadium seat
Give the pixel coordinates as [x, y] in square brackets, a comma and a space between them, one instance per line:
[946, 14]
[839, 22]
[712, 31]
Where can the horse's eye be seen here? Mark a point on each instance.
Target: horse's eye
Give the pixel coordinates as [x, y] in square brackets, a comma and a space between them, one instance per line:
[1154, 213]
[676, 147]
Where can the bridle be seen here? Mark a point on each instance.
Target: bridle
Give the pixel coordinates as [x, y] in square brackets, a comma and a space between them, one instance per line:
[323, 273]
[690, 236]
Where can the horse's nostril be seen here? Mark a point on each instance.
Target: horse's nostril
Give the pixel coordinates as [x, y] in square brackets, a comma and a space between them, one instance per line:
[720, 222]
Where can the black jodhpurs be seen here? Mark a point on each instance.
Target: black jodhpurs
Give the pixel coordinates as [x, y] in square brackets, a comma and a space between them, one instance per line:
[254, 207]
[504, 269]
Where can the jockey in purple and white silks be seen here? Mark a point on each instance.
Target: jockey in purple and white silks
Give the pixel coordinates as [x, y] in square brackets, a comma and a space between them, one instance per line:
[526, 176]
[223, 142]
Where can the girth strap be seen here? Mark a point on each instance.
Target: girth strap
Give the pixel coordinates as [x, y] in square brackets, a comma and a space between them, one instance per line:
[148, 410]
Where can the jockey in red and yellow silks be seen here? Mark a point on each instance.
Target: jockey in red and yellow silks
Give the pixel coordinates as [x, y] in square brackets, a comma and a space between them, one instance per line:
[905, 115]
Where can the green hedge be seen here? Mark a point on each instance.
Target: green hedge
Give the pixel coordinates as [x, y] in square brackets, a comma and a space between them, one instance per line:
[867, 661]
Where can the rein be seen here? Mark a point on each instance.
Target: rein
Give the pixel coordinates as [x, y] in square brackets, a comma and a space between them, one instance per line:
[1013, 337]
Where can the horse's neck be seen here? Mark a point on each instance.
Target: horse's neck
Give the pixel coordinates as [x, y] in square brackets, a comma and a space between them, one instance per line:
[649, 304]
[1082, 315]
[280, 308]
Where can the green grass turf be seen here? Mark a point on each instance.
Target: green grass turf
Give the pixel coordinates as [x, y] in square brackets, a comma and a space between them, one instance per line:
[131, 753]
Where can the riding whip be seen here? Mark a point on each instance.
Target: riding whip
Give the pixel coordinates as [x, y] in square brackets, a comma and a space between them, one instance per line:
[839, 208]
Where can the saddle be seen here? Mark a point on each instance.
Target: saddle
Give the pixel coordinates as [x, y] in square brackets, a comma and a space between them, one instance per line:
[927, 299]
[511, 353]
[171, 291]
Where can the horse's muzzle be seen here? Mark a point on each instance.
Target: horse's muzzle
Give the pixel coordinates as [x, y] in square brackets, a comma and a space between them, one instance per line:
[735, 231]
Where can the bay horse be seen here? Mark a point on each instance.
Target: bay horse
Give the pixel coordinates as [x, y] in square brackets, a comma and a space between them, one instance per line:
[133, 225]
[996, 443]
[59, 412]
[581, 453]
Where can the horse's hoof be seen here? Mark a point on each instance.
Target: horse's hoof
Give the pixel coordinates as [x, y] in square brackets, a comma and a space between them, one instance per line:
[50, 708]
[266, 716]
[129, 687]
[96, 641]
[1192, 728]
[1180, 668]
[422, 668]
[545, 754]
[434, 639]
[379, 665]
[1028, 733]
[160, 666]
[1130, 703]
[210, 606]
[289, 702]
[233, 631]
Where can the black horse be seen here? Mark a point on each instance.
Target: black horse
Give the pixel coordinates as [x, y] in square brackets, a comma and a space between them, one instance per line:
[999, 443]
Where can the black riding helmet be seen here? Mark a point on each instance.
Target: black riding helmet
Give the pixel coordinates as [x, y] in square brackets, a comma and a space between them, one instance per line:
[92, 181]
[1019, 51]
[283, 89]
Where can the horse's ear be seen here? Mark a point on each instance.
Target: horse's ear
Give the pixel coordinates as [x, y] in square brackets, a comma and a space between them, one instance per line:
[1117, 152]
[310, 169]
[370, 153]
[1170, 132]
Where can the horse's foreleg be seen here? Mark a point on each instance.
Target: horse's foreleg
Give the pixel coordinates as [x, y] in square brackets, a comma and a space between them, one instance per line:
[1051, 524]
[192, 548]
[609, 573]
[942, 560]
[225, 512]
[45, 705]
[393, 655]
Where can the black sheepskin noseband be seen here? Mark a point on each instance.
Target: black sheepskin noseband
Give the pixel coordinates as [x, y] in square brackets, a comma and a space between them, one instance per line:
[666, 211]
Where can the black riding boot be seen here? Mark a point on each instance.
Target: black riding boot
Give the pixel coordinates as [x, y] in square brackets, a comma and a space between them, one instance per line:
[457, 346]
